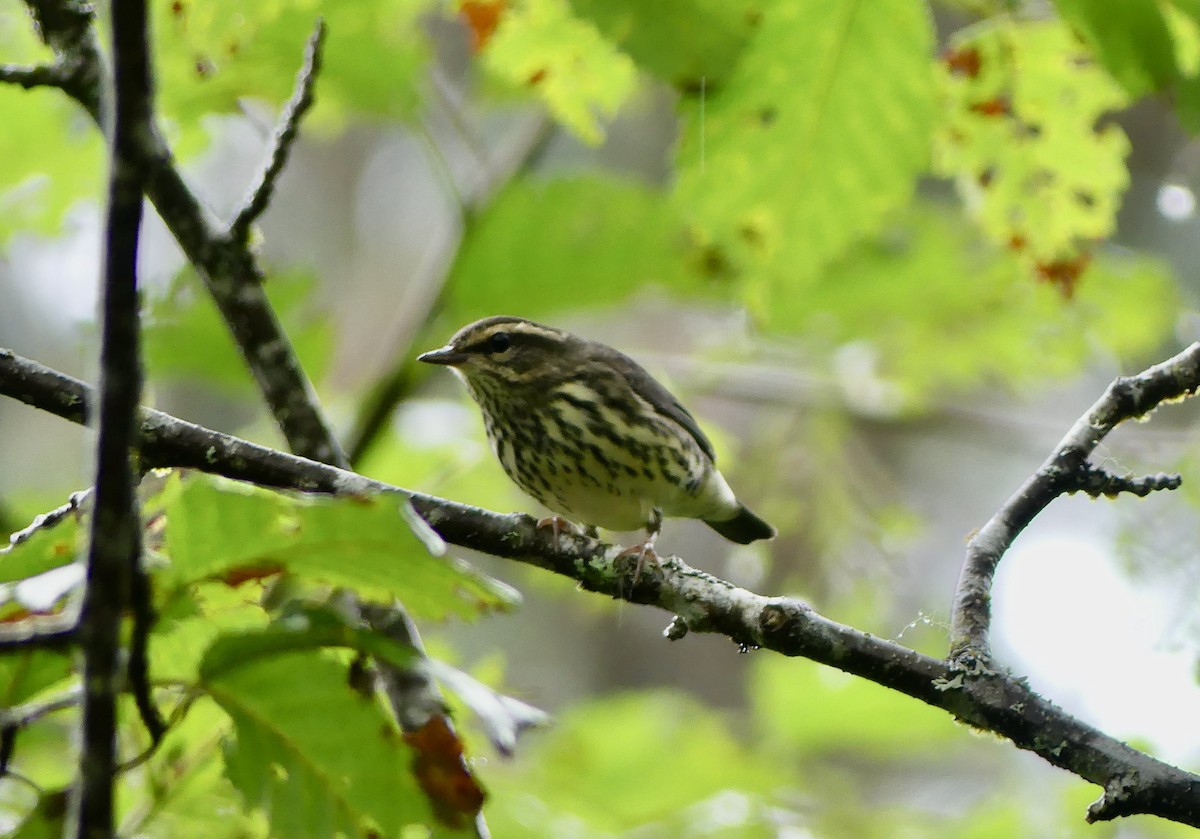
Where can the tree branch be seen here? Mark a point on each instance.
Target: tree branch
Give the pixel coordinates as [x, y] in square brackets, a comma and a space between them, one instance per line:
[282, 140]
[114, 549]
[230, 271]
[1066, 470]
[28, 77]
[1133, 781]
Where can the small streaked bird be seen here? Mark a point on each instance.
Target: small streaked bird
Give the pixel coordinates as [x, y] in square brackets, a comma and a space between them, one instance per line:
[586, 431]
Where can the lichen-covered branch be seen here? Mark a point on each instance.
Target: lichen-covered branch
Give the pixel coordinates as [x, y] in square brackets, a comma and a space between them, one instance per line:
[1066, 470]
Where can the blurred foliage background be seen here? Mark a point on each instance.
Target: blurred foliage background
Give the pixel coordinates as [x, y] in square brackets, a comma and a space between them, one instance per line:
[886, 251]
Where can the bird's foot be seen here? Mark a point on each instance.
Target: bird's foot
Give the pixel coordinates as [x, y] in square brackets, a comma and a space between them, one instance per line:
[558, 524]
[646, 558]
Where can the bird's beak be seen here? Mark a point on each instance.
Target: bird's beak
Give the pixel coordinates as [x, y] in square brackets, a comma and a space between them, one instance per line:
[447, 355]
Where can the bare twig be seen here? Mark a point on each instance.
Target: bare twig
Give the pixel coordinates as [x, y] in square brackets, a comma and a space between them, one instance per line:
[39, 75]
[282, 140]
[1066, 470]
[115, 544]
[52, 518]
[1133, 781]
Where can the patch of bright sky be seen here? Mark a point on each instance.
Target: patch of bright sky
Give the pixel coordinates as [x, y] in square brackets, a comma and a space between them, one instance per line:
[1094, 641]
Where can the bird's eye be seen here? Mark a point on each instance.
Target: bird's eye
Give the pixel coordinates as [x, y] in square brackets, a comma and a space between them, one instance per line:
[499, 342]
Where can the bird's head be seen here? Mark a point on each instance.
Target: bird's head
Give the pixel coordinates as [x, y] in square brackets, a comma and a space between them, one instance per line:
[508, 351]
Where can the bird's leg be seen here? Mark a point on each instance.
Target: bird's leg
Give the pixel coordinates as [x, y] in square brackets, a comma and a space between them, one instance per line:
[558, 524]
[644, 551]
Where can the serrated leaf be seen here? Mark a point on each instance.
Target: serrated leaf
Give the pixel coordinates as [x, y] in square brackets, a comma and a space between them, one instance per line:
[1130, 37]
[312, 754]
[1021, 138]
[302, 628]
[540, 46]
[217, 527]
[829, 108]
[692, 44]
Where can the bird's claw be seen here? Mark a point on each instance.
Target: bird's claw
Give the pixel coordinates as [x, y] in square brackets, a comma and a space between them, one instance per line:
[558, 524]
[646, 557]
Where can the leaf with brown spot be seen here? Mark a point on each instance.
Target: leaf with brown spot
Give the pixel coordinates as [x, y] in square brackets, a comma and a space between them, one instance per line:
[443, 774]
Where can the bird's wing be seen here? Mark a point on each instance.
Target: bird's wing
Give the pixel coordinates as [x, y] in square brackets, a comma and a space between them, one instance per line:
[647, 387]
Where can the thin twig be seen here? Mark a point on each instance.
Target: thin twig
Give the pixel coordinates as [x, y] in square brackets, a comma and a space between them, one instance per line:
[702, 603]
[137, 668]
[51, 518]
[31, 76]
[1066, 470]
[115, 543]
[286, 132]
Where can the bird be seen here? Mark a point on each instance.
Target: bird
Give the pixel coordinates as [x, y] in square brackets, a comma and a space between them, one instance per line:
[591, 435]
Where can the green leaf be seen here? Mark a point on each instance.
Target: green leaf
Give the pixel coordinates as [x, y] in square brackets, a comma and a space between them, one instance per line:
[822, 129]
[304, 627]
[689, 43]
[186, 790]
[213, 54]
[1183, 18]
[312, 754]
[26, 673]
[186, 338]
[45, 549]
[580, 75]
[617, 236]
[1130, 37]
[1021, 138]
[192, 620]
[223, 529]
[928, 283]
[53, 157]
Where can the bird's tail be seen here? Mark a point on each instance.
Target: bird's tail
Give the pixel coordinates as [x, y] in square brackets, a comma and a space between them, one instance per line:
[743, 528]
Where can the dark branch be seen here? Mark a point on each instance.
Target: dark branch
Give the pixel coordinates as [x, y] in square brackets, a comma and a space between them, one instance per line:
[1097, 482]
[1066, 470]
[138, 668]
[41, 75]
[284, 137]
[702, 603]
[115, 545]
